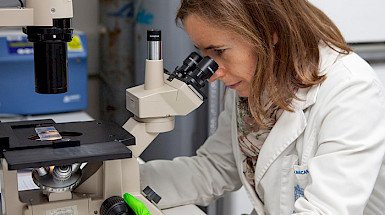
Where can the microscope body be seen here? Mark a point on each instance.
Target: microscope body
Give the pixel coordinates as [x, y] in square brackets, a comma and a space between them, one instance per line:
[174, 98]
[154, 107]
[164, 96]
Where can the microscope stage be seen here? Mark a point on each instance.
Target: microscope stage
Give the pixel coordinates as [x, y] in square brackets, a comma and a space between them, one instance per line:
[91, 141]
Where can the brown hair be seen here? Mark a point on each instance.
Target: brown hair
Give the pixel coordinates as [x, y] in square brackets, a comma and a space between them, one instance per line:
[282, 68]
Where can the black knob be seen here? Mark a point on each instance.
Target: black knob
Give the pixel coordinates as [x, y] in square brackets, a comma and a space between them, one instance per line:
[115, 205]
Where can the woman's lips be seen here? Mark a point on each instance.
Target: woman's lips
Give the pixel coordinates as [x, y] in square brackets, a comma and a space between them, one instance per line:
[233, 86]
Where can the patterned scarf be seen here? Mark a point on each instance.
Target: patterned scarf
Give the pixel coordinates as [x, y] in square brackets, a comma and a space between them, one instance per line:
[251, 136]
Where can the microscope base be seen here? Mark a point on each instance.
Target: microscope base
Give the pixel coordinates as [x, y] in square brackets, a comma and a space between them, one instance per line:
[112, 179]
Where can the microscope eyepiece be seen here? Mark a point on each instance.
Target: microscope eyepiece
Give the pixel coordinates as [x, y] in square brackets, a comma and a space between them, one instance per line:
[195, 70]
[191, 61]
[189, 64]
[154, 45]
[154, 35]
[204, 70]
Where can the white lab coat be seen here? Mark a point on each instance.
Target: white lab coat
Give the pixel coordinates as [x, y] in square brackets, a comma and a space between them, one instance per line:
[328, 154]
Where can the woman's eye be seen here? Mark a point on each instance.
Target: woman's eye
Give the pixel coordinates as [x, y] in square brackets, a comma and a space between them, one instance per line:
[219, 51]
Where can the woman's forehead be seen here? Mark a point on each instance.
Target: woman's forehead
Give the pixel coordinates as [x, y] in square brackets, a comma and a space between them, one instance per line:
[203, 32]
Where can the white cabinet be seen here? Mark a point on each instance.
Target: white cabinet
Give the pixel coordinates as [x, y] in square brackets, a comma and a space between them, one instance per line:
[359, 20]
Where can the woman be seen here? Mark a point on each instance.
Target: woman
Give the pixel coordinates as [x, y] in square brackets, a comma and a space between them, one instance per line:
[304, 119]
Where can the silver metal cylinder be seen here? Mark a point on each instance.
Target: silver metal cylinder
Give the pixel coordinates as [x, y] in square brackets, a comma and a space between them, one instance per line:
[62, 173]
[76, 167]
[154, 50]
[154, 44]
[42, 171]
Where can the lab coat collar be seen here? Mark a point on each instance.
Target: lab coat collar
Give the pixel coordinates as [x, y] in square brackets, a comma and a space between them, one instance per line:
[328, 57]
[308, 96]
[290, 125]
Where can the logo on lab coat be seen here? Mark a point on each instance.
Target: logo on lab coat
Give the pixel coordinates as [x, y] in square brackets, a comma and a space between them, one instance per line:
[302, 172]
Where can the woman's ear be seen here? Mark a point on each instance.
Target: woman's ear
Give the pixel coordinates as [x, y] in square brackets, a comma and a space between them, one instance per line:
[275, 38]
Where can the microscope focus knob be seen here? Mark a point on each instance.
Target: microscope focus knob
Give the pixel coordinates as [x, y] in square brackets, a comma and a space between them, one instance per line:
[115, 205]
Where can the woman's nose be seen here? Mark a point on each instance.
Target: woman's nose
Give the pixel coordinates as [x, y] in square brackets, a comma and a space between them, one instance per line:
[217, 75]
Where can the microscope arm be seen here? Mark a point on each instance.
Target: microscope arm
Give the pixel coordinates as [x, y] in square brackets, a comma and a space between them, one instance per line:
[155, 109]
[142, 137]
[36, 13]
[16, 17]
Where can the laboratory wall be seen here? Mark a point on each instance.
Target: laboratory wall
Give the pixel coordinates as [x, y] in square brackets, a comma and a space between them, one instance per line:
[359, 21]
[86, 19]
[108, 26]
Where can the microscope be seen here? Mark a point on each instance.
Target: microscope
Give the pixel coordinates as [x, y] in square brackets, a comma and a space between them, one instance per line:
[162, 97]
[85, 167]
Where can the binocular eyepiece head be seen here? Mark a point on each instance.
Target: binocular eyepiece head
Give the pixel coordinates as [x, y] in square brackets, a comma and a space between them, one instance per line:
[196, 70]
[203, 71]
